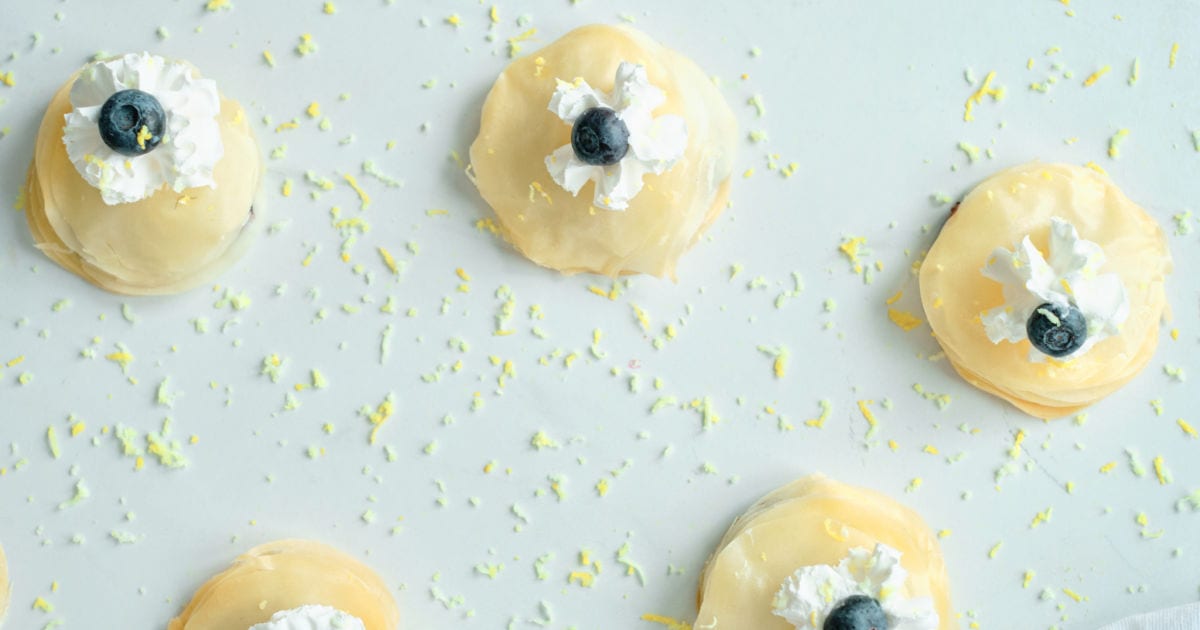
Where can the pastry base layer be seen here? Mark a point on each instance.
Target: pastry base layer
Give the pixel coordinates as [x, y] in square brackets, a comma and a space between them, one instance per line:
[166, 243]
[564, 232]
[288, 574]
[999, 213]
[811, 521]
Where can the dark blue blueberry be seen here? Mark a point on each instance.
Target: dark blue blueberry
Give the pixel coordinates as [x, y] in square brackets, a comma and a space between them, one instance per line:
[857, 612]
[1056, 330]
[599, 137]
[123, 118]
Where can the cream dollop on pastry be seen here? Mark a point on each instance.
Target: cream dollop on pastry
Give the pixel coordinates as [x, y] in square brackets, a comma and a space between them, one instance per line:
[310, 583]
[161, 213]
[809, 546]
[604, 152]
[1047, 242]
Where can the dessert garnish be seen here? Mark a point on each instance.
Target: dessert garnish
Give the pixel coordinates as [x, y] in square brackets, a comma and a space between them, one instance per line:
[132, 122]
[1060, 303]
[1056, 330]
[863, 592]
[599, 137]
[857, 612]
[311, 617]
[140, 122]
[615, 139]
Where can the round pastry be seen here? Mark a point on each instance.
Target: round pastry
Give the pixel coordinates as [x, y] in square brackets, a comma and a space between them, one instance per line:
[604, 152]
[144, 178]
[290, 584]
[817, 554]
[5, 587]
[1045, 287]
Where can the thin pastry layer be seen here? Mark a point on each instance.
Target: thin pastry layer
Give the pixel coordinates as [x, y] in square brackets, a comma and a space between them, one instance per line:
[999, 213]
[166, 243]
[564, 232]
[812, 521]
[287, 574]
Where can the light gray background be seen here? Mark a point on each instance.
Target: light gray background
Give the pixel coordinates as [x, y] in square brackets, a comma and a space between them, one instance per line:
[866, 97]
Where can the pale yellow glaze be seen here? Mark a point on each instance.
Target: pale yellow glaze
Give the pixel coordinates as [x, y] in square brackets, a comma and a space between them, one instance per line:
[5, 587]
[564, 232]
[812, 521]
[166, 243]
[999, 213]
[287, 574]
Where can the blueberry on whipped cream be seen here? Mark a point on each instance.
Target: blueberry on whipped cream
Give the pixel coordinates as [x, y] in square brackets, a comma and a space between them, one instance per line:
[857, 612]
[140, 123]
[865, 591]
[1056, 330]
[1059, 302]
[132, 122]
[599, 137]
[615, 138]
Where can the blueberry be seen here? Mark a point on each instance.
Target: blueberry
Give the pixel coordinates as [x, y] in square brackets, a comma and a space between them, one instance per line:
[599, 137]
[1056, 330]
[857, 612]
[132, 122]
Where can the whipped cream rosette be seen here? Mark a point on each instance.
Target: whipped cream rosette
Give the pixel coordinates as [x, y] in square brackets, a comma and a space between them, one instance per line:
[145, 180]
[292, 585]
[604, 152]
[1046, 287]
[615, 139]
[866, 584]
[817, 549]
[311, 618]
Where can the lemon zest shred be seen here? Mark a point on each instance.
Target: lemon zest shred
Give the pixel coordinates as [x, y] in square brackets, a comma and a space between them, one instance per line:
[363, 197]
[904, 319]
[389, 260]
[826, 410]
[143, 135]
[985, 89]
[1091, 80]
[869, 416]
[381, 415]
[1160, 471]
[582, 578]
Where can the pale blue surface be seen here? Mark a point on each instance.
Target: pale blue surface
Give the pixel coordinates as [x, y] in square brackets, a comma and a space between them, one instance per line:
[866, 97]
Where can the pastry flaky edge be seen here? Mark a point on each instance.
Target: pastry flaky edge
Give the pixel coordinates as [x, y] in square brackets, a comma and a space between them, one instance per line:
[5, 587]
[999, 212]
[55, 237]
[560, 231]
[287, 574]
[840, 516]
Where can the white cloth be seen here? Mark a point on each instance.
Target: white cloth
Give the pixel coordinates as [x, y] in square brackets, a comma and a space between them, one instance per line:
[1186, 617]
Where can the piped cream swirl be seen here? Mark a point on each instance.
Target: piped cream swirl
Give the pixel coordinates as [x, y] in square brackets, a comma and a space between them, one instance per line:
[191, 145]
